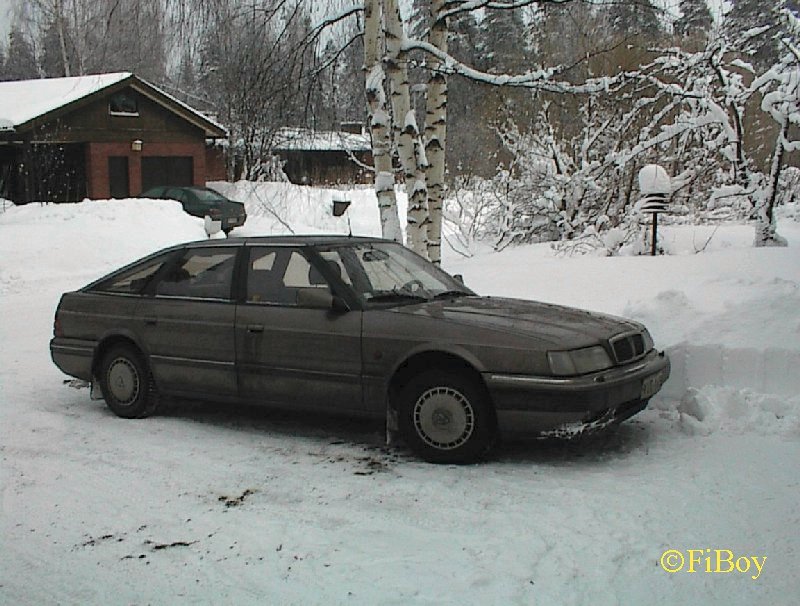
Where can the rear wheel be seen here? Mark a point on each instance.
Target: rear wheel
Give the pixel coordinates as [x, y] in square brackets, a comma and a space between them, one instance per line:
[446, 417]
[127, 383]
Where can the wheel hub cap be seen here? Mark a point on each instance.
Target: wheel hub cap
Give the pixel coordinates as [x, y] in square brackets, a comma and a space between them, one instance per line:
[444, 418]
[123, 381]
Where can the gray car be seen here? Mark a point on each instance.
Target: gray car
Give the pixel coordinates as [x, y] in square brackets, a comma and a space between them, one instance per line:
[353, 326]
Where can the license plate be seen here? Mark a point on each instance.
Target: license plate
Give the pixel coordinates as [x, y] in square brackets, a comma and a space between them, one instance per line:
[651, 385]
[232, 221]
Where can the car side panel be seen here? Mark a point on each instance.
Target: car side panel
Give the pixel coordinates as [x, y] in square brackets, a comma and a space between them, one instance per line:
[299, 358]
[190, 344]
[86, 319]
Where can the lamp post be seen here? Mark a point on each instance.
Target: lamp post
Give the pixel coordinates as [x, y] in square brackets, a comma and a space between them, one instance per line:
[340, 206]
[655, 186]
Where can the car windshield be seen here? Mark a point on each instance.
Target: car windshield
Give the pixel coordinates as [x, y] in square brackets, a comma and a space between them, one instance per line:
[386, 273]
[208, 195]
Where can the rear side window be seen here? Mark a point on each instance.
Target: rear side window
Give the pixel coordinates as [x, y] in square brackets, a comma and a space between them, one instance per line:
[133, 281]
[200, 274]
[177, 194]
[275, 275]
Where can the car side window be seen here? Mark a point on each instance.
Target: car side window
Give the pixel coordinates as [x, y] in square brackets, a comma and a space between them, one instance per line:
[200, 274]
[132, 281]
[275, 275]
[177, 194]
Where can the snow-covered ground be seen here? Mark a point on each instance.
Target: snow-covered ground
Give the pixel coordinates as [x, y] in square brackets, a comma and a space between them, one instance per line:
[204, 504]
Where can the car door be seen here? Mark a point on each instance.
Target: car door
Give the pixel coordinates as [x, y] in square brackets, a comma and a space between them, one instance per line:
[187, 324]
[288, 354]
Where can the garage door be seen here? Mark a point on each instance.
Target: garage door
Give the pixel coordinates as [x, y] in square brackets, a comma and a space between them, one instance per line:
[167, 170]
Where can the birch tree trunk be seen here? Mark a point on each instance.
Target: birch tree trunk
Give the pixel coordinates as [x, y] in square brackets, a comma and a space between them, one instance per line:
[406, 132]
[380, 122]
[436, 133]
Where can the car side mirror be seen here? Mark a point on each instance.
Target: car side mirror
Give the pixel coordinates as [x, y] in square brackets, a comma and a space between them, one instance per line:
[320, 298]
[459, 278]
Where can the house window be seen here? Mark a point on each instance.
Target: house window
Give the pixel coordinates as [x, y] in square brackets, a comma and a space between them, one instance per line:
[123, 104]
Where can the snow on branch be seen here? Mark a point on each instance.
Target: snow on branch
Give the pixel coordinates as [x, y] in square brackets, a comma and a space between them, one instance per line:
[542, 79]
[461, 6]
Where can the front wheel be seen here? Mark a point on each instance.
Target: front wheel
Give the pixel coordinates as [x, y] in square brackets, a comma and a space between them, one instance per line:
[446, 417]
[127, 384]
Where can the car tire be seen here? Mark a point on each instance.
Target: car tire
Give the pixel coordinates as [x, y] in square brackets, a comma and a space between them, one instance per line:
[446, 417]
[127, 383]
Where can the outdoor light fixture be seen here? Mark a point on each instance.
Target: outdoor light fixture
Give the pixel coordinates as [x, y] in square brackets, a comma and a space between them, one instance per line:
[136, 145]
[655, 186]
[340, 205]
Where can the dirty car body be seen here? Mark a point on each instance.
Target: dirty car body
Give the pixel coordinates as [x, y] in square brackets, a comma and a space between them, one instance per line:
[352, 326]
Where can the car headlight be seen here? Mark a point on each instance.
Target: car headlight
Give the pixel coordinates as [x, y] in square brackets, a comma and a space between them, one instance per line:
[579, 361]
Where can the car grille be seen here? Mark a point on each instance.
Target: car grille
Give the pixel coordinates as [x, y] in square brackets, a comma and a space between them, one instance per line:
[627, 347]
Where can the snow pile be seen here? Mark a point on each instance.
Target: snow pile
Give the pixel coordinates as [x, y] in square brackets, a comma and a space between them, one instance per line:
[716, 408]
[88, 239]
[729, 317]
[280, 208]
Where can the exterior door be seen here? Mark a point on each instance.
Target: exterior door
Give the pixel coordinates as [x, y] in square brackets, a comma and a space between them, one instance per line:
[118, 176]
[188, 324]
[290, 355]
[167, 170]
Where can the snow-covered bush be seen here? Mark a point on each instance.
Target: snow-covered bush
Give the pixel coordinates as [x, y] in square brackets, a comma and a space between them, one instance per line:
[686, 110]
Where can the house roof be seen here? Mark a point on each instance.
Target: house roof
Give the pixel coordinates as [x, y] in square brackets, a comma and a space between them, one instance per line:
[23, 103]
[303, 139]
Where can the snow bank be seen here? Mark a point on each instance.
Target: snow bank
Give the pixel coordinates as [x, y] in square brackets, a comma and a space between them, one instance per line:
[280, 208]
[87, 239]
[715, 408]
[729, 316]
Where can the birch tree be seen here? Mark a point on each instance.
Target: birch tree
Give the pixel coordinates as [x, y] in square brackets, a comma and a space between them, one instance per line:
[380, 120]
[406, 133]
[436, 133]
[421, 155]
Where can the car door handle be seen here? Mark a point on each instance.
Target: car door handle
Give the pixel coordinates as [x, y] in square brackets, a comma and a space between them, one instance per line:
[150, 321]
[255, 328]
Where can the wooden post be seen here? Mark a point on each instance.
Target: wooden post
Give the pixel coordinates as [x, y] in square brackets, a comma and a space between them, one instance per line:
[655, 235]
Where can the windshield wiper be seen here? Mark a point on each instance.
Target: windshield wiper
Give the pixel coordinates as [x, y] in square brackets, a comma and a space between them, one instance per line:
[450, 294]
[395, 295]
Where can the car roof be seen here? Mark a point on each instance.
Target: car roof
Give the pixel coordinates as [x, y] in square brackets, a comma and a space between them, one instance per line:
[293, 240]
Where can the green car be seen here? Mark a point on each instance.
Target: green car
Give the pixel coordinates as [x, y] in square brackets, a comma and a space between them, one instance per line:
[203, 202]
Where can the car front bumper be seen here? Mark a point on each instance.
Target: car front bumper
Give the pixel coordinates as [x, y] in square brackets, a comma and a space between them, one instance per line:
[531, 404]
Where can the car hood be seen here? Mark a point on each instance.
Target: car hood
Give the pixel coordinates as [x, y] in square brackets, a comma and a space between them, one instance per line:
[554, 325]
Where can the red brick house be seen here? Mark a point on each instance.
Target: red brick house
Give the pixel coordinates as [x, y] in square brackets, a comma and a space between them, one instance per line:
[99, 136]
